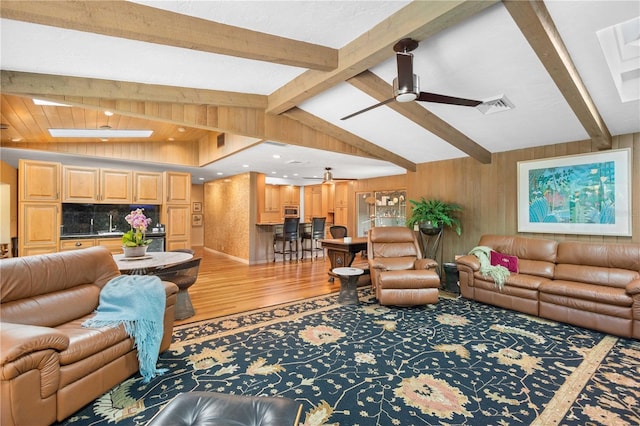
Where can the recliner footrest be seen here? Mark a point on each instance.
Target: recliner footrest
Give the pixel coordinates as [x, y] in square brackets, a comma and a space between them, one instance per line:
[409, 279]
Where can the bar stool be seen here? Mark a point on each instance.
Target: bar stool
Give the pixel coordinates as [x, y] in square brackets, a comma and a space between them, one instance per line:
[289, 234]
[316, 233]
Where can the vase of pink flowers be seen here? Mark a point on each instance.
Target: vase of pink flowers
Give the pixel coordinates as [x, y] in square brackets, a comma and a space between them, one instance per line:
[134, 242]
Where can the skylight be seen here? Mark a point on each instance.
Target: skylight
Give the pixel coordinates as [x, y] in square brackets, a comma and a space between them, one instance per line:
[621, 47]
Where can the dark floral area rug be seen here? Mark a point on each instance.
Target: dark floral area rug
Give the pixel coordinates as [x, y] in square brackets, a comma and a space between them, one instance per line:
[454, 363]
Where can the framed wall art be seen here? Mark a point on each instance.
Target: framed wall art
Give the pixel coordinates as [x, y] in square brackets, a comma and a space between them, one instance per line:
[196, 220]
[576, 194]
[196, 207]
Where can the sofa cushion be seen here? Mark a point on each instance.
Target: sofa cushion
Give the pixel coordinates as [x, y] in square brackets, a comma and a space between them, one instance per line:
[580, 290]
[605, 277]
[394, 263]
[619, 256]
[84, 342]
[529, 282]
[536, 256]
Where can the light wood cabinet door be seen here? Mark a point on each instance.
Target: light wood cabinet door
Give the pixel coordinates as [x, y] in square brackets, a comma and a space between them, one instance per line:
[341, 194]
[113, 244]
[80, 184]
[290, 195]
[272, 198]
[115, 186]
[178, 226]
[341, 216]
[147, 188]
[39, 181]
[39, 228]
[177, 187]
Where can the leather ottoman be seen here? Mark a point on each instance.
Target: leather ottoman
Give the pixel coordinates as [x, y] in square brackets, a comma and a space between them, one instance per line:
[217, 409]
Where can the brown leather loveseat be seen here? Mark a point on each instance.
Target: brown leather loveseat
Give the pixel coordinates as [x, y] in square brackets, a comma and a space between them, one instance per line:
[591, 285]
[51, 366]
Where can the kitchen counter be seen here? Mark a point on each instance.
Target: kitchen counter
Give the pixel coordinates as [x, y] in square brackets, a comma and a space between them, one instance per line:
[106, 235]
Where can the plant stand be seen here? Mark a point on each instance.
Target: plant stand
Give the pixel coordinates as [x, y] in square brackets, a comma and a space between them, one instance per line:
[432, 243]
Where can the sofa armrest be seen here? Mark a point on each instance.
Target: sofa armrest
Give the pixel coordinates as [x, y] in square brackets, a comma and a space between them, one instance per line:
[18, 340]
[425, 264]
[470, 261]
[633, 288]
[377, 264]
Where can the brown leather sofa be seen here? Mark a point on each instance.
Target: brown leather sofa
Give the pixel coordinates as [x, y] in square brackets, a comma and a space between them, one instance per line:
[591, 285]
[51, 366]
[399, 274]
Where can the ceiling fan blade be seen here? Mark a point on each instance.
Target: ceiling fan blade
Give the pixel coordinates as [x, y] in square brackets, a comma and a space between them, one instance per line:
[443, 99]
[405, 72]
[367, 109]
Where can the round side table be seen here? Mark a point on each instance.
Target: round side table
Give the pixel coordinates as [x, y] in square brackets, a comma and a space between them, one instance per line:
[348, 285]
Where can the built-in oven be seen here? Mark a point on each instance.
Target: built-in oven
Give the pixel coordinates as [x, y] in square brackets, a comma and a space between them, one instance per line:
[291, 211]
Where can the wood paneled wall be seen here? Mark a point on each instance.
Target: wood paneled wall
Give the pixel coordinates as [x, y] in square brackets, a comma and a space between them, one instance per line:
[182, 153]
[488, 192]
[230, 215]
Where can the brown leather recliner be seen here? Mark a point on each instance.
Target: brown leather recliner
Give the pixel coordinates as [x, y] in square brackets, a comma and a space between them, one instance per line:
[51, 366]
[399, 274]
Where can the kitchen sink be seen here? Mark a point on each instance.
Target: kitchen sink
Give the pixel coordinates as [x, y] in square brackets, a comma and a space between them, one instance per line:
[113, 233]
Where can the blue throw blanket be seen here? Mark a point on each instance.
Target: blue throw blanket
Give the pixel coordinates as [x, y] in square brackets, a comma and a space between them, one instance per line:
[137, 302]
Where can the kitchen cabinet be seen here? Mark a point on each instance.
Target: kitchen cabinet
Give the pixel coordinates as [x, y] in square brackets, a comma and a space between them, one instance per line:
[177, 187]
[290, 195]
[316, 203]
[39, 181]
[176, 211]
[39, 230]
[147, 188]
[272, 198]
[39, 207]
[90, 185]
[66, 245]
[113, 244]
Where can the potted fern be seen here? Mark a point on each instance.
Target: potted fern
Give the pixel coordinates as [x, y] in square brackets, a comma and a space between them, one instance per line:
[432, 215]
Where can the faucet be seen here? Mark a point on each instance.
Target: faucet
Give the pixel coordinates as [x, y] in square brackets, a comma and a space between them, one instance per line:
[110, 223]
[91, 226]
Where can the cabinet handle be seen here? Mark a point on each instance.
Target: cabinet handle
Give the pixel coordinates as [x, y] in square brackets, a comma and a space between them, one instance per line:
[78, 244]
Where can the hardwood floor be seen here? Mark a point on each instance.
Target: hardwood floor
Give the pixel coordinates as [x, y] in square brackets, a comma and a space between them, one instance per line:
[225, 286]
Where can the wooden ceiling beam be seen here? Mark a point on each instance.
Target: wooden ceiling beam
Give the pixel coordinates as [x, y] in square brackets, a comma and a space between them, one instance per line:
[356, 141]
[535, 23]
[379, 89]
[418, 20]
[31, 84]
[149, 24]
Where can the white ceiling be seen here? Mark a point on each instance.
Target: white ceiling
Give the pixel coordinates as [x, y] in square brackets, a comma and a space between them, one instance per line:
[484, 57]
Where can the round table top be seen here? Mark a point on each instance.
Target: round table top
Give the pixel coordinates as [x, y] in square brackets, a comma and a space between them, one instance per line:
[152, 260]
[348, 271]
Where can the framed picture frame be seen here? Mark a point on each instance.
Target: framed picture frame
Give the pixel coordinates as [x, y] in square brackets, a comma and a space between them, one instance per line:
[196, 220]
[196, 206]
[576, 194]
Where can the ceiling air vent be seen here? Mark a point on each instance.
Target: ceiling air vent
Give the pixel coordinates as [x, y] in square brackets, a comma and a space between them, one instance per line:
[497, 104]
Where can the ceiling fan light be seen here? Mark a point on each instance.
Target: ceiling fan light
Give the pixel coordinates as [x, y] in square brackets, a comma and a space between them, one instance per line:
[327, 177]
[406, 94]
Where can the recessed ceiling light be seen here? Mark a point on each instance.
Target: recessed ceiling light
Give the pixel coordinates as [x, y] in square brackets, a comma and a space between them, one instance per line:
[16, 139]
[171, 139]
[181, 129]
[48, 103]
[285, 176]
[273, 173]
[99, 133]
[276, 156]
[201, 178]
[219, 173]
[245, 165]
[108, 113]
[295, 174]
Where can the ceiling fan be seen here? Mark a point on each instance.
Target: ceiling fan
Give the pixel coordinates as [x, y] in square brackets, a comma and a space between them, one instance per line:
[406, 87]
[327, 176]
